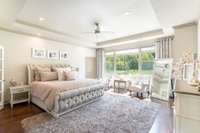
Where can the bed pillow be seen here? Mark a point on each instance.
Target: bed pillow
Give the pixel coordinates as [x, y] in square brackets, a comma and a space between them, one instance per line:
[70, 75]
[49, 76]
[38, 70]
[60, 72]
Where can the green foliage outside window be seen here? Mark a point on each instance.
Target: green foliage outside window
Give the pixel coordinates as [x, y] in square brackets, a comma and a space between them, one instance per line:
[109, 64]
[129, 63]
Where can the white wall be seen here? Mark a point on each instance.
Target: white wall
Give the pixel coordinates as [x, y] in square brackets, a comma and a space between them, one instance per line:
[185, 40]
[18, 55]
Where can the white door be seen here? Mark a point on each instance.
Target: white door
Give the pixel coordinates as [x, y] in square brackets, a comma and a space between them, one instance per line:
[90, 67]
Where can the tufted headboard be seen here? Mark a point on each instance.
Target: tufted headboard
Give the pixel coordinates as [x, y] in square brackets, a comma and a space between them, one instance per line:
[32, 67]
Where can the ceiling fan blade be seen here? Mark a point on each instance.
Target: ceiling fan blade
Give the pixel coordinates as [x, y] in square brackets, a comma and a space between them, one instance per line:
[87, 32]
[107, 32]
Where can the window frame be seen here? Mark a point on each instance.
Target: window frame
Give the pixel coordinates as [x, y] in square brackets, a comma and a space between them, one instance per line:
[140, 61]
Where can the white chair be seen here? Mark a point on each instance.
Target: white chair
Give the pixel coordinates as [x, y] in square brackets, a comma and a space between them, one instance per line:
[107, 82]
[140, 89]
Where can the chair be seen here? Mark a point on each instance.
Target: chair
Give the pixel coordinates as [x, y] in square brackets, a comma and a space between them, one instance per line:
[107, 83]
[140, 89]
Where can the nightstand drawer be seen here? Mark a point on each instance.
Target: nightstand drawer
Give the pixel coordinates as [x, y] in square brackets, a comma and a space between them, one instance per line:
[19, 90]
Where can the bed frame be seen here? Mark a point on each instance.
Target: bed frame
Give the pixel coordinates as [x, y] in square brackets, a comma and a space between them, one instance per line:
[66, 101]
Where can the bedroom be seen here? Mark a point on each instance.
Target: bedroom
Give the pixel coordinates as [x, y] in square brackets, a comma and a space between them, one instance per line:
[108, 53]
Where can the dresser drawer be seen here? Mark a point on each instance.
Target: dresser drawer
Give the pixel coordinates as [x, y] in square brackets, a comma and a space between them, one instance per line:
[188, 106]
[19, 90]
[185, 125]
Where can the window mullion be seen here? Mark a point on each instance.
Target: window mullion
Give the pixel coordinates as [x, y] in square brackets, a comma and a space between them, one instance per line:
[140, 61]
[114, 56]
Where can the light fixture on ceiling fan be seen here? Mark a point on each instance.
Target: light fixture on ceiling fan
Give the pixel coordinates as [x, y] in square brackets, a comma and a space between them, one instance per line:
[98, 31]
[97, 28]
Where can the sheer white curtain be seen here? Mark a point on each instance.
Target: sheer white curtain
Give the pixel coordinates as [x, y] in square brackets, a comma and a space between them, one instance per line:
[100, 60]
[164, 47]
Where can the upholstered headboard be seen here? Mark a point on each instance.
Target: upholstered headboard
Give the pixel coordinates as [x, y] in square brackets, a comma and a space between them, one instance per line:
[32, 67]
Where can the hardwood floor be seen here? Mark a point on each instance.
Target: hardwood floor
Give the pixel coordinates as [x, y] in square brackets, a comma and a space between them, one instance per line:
[164, 122]
[10, 120]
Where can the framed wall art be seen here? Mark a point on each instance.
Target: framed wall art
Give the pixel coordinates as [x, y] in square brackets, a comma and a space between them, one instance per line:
[53, 54]
[64, 55]
[38, 53]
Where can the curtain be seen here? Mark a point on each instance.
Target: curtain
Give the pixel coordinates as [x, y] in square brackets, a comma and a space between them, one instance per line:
[164, 47]
[100, 55]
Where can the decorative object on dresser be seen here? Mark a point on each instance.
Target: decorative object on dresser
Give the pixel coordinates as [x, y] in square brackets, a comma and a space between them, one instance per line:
[64, 55]
[184, 67]
[53, 54]
[187, 108]
[1, 77]
[161, 79]
[19, 90]
[38, 53]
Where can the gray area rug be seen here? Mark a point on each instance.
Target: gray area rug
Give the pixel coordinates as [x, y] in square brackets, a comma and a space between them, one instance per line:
[111, 114]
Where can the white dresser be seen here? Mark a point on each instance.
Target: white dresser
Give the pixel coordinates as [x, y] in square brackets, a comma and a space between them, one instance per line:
[187, 108]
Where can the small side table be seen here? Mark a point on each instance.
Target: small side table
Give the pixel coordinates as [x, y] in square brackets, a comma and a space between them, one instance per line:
[19, 89]
[120, 84]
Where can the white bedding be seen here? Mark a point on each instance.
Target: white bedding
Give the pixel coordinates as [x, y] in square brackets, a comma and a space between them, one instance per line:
[46, 91]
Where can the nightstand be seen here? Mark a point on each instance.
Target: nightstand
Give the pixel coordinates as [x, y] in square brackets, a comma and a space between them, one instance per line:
[19, 90]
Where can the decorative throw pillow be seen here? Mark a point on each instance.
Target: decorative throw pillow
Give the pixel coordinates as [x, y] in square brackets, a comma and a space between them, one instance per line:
[70, 75]
[60, 72]
[38, 70]
[48, 76]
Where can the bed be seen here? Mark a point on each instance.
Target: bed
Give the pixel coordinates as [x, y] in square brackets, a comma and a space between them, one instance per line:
[59, 97]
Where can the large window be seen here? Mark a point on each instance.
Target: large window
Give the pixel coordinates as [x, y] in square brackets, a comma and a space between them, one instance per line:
[147, 60]
[130, 62]
[127, 61]
[109, 62]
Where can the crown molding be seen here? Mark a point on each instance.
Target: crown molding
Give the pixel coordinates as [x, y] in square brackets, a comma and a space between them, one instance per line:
[66, 38]
[6, 29]
[132, 38]
[186, 24]
[45, 29]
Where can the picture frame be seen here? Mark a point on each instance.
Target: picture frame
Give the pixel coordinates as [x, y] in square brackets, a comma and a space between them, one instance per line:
[53, 54]
[38, 53]
[64, 55]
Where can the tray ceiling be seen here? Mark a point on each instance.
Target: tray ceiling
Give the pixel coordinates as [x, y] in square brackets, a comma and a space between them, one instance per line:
[69, 19]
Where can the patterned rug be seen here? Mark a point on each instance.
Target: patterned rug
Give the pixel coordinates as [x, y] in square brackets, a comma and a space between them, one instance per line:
[112, 113]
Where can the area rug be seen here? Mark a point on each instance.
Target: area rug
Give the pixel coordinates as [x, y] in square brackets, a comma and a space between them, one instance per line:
[110, 114]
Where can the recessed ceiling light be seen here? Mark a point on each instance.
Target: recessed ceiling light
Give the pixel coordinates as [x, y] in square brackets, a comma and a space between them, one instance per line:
[127, 13]
[41, 19]
[38, 34]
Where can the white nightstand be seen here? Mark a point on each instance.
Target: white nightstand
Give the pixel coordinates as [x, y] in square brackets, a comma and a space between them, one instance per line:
[19, 89]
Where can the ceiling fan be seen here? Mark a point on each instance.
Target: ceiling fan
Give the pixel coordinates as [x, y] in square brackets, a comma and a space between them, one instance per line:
[98, 31]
